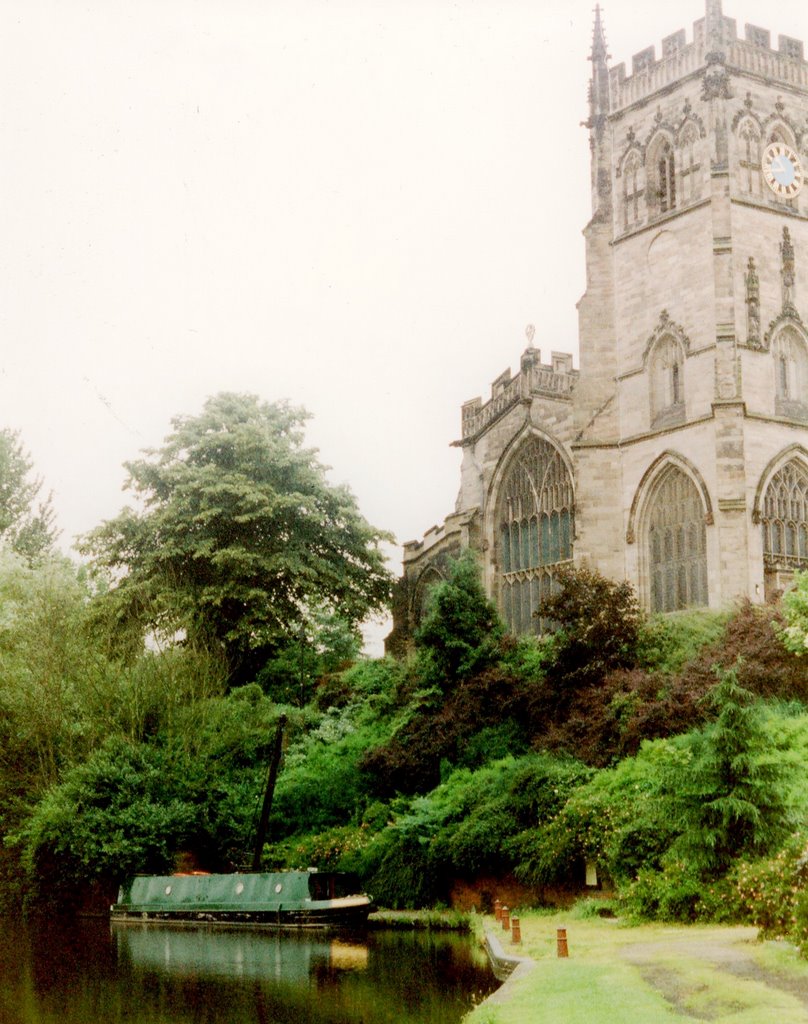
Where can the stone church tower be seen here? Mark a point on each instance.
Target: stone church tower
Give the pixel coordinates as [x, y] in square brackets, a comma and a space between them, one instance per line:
[676, 457]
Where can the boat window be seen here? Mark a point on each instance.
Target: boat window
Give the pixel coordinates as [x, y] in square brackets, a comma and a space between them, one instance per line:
[168, 890]
[278, 887]
[239, 888]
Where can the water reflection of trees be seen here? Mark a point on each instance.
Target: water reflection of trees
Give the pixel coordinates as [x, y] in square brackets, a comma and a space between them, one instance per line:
[144, 975]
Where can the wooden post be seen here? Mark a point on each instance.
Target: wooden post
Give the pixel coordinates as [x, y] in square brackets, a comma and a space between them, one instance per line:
[516, 930]
[497, 910]
[561, 942]
[506, 919]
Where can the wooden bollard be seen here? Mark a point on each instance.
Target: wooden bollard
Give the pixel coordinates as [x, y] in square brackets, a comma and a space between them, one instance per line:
[497, 910]
[516, 930]
[506, 919]
[561, 942]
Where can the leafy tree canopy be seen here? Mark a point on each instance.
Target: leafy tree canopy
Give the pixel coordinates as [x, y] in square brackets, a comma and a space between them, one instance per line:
[26, 520]
[239, 538]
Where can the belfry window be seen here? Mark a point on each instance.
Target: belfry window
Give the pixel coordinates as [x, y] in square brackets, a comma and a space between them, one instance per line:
[785, 518]
[665, 178]
[690, 165]
[666, 375]
[631, 191]
[536, 524]
[790, 374]
[750, 158]
[676, 544]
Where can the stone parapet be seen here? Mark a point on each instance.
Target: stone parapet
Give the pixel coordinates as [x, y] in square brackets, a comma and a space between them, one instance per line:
[753, 55]
[556, 379]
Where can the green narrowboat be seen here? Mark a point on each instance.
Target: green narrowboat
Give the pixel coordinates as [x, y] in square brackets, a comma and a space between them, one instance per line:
[281, 899]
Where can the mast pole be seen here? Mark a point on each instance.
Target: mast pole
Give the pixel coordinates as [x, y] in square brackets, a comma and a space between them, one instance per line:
[263, 824]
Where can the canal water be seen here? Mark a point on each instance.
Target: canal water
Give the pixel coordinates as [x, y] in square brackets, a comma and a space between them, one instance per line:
[92, 972]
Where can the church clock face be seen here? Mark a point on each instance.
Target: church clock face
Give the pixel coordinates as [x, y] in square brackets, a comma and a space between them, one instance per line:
[782, 170]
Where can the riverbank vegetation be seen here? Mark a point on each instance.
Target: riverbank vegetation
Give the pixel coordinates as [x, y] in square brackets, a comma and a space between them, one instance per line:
[139, 697]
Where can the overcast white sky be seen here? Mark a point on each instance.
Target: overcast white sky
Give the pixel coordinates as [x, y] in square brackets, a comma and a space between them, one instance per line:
[355, 205]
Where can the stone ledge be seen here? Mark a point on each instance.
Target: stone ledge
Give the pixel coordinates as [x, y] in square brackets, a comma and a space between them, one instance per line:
[512, 968]
[504, 964]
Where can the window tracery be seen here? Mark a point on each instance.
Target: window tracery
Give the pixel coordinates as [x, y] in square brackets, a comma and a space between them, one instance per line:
[632, 190]
[662, 176]
[536, 531]
[749, 138]
[784, 518]
[676, 544]
[689, 163]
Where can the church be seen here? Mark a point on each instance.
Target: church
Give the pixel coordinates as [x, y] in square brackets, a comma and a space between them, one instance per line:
[676, 455]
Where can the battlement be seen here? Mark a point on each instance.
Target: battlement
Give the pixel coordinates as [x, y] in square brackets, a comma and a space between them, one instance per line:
[679, 58]
[555, 379]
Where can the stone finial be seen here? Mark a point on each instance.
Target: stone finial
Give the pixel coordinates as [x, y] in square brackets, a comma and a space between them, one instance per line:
[714, 25]
[599, 85]
[752, 304]
[599, 49]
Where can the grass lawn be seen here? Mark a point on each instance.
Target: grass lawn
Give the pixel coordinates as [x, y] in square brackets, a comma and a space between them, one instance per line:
[649, 974]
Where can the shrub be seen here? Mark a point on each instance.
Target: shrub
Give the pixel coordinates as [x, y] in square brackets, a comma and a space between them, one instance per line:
[731, 800]
[751, 642]
[668, 642]
[599, 622]
[671, 894]
[460, 632]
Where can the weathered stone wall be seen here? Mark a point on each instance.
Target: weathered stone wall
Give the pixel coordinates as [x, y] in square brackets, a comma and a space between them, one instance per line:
[709, 257]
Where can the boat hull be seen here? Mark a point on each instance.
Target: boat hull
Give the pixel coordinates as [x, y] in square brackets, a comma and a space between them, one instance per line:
[277, 900]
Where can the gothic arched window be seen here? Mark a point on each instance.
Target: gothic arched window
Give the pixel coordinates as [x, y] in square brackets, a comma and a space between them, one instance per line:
[536, 529]
[749, 139]
[662, 176]
[790, 374]
[666, 372]
[676, 544]
[423, 589]
[689, 163]
[632, 169]
[785, 518]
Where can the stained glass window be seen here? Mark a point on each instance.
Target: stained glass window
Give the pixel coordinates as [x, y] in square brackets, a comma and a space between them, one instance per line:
[677, 544]
[536, 531]
[785, 518]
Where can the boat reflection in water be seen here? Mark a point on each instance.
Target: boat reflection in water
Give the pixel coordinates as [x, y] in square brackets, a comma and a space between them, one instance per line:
[200, 953]
[246, 974]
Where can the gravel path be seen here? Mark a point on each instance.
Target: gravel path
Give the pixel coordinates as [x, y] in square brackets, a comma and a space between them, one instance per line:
[731, 953]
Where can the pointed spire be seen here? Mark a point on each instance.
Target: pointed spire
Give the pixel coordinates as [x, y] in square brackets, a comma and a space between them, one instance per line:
[599, 52]
[599, 86]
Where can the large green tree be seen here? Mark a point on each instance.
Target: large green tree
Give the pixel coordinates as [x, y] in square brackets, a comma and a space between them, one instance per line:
[239, 537]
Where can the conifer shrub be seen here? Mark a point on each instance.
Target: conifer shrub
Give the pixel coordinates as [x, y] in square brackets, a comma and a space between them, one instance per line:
[731, 800]
[460, 632]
